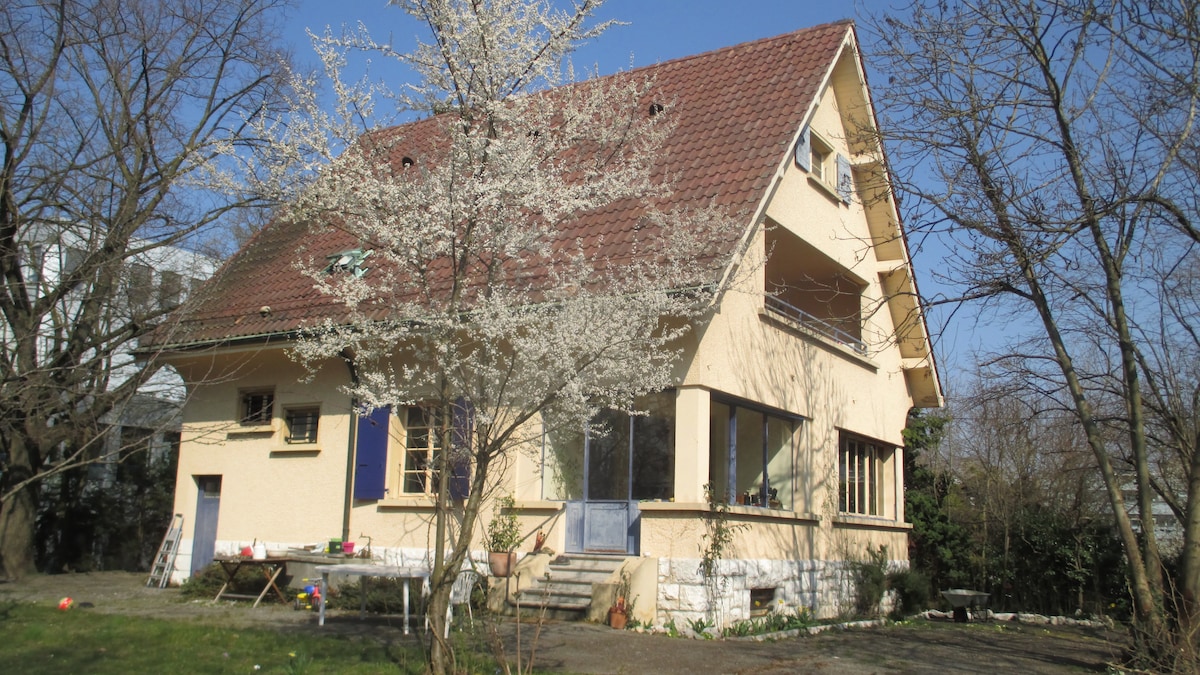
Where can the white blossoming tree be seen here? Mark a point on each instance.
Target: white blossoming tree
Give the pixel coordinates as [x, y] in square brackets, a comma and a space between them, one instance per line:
[492, 295]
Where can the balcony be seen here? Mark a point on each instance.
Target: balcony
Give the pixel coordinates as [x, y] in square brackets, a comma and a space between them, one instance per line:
[813, 324]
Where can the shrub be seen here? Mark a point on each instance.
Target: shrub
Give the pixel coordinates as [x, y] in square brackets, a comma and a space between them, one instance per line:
[912, 591]
[870, 582]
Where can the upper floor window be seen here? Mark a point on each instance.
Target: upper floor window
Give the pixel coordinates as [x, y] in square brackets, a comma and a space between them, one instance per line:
[140, 279]
[170, 290]
[821, 158]
[302, 424]
[72, 258]
[257, 407]
[827, 167]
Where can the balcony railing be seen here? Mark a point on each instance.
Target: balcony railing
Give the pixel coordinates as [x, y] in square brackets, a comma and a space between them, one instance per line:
[812, 324]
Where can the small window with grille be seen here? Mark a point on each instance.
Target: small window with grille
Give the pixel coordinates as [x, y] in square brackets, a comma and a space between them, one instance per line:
[257, 407]
[302, 424]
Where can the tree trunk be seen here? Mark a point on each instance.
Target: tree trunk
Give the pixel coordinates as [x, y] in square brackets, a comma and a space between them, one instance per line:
[18, 513]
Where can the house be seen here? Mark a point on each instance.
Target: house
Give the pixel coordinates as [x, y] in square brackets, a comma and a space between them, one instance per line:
[790, 398]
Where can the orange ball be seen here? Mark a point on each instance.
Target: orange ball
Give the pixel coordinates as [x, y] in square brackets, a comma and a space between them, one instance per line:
[66, 603]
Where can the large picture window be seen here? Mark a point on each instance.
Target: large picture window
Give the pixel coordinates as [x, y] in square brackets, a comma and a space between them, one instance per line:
[860, 472]
[618, 457]
[751, 456]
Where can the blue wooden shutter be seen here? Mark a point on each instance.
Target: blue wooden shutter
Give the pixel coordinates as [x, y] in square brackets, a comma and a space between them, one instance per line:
[370, 454]
[460, 456]
[804, 151]
[845, 184]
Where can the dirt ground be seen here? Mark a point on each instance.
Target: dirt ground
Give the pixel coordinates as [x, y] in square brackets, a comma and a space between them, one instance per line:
[916, 647]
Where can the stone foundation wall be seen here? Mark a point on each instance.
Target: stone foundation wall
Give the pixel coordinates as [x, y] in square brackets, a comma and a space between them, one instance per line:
[823, 587]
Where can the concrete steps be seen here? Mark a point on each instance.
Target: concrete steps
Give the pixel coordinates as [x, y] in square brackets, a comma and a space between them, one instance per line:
[566, 589]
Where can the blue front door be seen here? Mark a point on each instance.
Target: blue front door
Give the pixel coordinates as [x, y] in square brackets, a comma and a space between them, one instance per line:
[605, 521]
[208, 508]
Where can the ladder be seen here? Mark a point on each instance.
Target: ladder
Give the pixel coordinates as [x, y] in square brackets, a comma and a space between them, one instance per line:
[164, 560]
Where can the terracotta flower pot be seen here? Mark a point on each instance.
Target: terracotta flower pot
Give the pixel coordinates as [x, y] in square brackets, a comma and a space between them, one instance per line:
[617, 619]
[501, 563]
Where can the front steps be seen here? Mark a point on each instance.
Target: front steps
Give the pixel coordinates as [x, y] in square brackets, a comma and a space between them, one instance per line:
[565, 588]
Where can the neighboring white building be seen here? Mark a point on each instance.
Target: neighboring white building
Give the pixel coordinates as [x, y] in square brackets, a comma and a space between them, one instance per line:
[155, 280]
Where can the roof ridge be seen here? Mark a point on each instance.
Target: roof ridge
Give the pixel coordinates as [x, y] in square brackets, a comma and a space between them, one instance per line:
[726, 48]
[590, 81]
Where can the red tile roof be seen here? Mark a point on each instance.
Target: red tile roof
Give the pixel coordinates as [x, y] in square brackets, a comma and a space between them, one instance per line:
[737, 110]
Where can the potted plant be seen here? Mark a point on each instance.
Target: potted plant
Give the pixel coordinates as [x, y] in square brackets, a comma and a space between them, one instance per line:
[618, 613]
[503, 535]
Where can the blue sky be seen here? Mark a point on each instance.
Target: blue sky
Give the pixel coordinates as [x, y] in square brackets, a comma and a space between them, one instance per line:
[660, 30]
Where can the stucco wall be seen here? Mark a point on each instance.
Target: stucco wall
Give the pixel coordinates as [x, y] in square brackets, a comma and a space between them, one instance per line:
[283, 494]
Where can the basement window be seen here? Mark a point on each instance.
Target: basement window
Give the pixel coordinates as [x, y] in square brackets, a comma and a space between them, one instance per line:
[761, 601]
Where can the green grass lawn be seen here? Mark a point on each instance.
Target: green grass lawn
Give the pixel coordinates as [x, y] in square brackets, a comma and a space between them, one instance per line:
[37, 639]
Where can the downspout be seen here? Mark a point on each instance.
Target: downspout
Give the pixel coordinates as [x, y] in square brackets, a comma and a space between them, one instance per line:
[352, 436]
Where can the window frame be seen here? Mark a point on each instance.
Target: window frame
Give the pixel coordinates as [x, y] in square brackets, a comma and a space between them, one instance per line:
[422, 472]
[256, 415]
[862, 470]
[312, 424]
[821, 154]
[139, 279]
[728, 474]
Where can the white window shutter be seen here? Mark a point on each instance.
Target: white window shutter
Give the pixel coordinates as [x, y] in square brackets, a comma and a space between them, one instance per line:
[804, 151]
[845, 184]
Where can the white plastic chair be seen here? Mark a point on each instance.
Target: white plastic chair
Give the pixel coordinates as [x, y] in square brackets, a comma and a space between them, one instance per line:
[460, 594]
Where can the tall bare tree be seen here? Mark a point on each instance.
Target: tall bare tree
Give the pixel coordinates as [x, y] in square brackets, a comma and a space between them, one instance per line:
[1050, 145]
[116, 118]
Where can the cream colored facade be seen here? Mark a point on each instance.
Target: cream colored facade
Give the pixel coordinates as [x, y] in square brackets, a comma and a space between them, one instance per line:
[819, 391]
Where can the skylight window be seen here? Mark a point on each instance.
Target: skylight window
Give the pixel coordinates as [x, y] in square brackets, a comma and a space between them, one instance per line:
[348, 262]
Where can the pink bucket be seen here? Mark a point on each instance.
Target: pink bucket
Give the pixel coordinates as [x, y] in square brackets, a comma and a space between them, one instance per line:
[347, 547]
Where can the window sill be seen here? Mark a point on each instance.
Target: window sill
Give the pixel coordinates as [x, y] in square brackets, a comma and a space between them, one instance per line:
[297, 449]
[827, 189]
[540, 505]
[424, 502]
[250, 433]
[733, 509]
[876, 522]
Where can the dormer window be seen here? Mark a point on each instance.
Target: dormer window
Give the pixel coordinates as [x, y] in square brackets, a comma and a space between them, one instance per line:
[348, 262]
